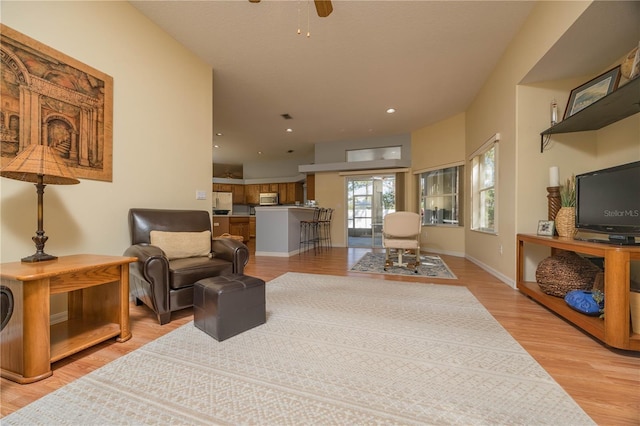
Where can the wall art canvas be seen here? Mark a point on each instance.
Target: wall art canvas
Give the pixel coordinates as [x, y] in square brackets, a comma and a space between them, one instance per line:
[52, 99]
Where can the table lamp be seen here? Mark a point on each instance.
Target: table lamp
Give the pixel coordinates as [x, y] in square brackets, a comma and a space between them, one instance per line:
[43, 166]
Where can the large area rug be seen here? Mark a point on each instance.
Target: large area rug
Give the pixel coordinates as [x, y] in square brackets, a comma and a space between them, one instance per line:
[430, 266]
[334, 351]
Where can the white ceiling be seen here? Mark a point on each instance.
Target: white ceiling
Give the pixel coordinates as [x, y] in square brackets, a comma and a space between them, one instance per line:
[427, 59]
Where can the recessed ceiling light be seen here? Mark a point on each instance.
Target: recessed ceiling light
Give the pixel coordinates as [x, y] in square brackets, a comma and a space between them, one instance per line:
[259, 152]
[216, 146]
[391, 110]
[289, 130]
[218, 134]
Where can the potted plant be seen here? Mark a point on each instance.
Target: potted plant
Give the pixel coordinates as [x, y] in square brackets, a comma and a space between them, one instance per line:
[566, 216]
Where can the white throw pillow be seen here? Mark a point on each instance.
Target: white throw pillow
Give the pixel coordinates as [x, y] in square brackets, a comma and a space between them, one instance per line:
[177, 245]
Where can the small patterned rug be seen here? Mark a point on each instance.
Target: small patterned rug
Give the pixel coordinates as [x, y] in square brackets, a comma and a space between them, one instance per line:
[334, 351]
[430, 266]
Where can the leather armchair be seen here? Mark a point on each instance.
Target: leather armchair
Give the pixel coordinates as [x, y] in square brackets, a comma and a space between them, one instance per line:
[167, 285]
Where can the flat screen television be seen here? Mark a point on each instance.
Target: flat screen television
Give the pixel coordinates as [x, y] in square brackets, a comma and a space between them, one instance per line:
[608, 201]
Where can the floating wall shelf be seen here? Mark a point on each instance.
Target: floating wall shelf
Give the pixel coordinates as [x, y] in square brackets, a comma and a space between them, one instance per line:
[619, 104]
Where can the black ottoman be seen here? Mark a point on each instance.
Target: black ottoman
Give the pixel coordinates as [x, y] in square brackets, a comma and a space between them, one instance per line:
[228, 305]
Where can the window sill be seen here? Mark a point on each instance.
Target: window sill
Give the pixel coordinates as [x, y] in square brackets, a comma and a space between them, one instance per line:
[486, 231]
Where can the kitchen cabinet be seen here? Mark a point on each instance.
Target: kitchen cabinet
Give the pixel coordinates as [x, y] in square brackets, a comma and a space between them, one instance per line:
[252, 194]
[295, 192]
[240, 226]
[268, 187]
[311, 187]
[220, 225]
[252, 227]
[289, 193]
[617, 105]
[222, 187]
[282, 193]
[238, 192]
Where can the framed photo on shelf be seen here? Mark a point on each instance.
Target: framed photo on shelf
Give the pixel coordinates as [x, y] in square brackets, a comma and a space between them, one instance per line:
[591, 91]
[546, 227]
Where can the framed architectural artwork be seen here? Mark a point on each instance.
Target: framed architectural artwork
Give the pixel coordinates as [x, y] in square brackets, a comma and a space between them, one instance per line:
[52, 99]
[592, 91]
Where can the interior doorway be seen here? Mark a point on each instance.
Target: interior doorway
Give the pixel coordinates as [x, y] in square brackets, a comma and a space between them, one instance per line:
[369, 199]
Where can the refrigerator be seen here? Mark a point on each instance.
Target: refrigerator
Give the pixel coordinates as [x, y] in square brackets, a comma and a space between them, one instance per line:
[222, 201]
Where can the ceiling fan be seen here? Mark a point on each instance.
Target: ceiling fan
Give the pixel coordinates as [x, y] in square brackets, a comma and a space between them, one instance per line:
[323, 7]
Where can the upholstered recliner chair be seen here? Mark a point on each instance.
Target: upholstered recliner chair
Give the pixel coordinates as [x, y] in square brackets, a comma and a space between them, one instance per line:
[174, 250]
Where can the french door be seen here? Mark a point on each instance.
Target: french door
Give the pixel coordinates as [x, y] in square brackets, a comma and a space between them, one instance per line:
[369, 199]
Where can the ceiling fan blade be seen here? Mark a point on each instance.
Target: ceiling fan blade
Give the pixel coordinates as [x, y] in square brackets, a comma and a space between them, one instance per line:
[323, 7]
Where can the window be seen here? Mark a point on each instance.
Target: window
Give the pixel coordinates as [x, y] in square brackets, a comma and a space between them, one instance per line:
[372, 154]
[440, 195]
[484, 166]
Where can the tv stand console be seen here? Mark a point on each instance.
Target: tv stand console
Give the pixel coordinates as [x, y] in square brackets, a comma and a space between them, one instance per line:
[615, 329]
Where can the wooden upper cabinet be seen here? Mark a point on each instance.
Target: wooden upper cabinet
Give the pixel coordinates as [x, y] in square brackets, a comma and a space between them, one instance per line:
[289, 193]
[238, 192]
[222, 187]
[282, 194]
[252, 193]
[295, 192]
[311, 187]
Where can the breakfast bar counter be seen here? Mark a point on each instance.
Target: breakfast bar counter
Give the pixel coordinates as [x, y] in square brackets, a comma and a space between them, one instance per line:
[278, 229]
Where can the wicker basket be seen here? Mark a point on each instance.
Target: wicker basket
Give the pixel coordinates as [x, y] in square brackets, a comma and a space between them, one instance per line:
[233, 237]
[565, 271]
[566, 221]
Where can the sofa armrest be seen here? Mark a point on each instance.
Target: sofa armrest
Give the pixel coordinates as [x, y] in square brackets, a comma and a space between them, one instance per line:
[233, 251]
[152, 267]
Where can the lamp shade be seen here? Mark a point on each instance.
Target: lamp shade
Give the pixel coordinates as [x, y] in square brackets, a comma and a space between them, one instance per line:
[39, 161]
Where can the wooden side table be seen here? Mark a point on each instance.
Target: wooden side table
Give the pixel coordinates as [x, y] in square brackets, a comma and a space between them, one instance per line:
[97, 290]
[615, 329]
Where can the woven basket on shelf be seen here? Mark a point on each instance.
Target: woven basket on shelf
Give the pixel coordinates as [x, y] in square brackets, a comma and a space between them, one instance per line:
[565, 271]
[566, 221]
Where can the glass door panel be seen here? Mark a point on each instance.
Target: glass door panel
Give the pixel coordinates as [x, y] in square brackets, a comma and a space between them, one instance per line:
[369, 198]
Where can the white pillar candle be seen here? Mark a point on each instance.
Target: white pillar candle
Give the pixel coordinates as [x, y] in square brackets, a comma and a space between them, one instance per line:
[554, 179]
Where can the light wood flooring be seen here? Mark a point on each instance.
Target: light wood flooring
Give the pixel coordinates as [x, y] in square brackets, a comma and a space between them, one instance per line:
[605, 382]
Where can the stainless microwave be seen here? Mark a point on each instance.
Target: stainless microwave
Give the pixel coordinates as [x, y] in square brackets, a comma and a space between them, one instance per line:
[269, 199]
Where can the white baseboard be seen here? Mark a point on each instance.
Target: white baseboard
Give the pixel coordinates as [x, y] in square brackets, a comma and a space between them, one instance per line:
[510, 282]
[447, 252]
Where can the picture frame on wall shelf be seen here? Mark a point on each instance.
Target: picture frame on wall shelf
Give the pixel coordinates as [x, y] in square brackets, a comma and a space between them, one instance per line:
[635, 65]
[546, 227]
[592, 91]
[630, 67]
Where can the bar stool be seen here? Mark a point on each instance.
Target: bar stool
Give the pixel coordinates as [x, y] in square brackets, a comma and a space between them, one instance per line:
[325, 228]
[309, 233]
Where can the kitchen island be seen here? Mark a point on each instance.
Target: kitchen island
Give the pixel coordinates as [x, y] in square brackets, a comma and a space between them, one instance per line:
[278, 229]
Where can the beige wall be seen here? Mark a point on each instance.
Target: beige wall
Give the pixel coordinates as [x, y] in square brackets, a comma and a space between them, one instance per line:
[330, 193]
[496, 109]
[162, 129]
[436, 146]
[519, 113]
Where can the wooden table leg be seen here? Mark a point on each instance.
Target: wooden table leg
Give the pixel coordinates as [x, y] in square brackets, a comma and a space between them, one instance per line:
[125, 333]
[26, 351]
